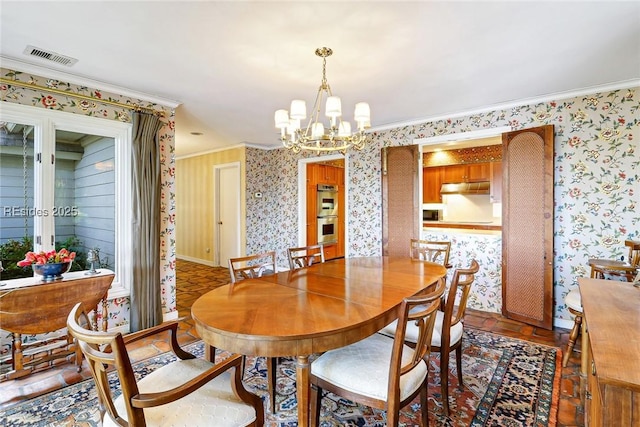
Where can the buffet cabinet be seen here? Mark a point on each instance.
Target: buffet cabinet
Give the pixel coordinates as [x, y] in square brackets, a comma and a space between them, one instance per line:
[611, 345]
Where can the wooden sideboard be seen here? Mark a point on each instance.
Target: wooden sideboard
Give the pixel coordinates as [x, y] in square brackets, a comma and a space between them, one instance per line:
[31, 306]
[611, 352]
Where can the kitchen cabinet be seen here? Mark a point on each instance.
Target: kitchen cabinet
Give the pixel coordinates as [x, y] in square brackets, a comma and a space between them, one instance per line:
[612, 393]
[330, 252]
[325, 174]
[431, 183]
[495, 192]
[472, 172]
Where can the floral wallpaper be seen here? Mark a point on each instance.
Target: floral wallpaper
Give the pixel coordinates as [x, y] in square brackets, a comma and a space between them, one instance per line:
[118, 308]
[596, 185]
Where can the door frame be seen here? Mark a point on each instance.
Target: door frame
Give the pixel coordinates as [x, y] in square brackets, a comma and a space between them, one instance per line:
[216, 208]
[302, 196]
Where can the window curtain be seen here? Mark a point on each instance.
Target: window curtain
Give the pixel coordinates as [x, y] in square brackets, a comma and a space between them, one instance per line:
[146, 306]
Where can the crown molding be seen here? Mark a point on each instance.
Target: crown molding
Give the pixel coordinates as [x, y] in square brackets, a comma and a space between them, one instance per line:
[25, 67]
[625, 84]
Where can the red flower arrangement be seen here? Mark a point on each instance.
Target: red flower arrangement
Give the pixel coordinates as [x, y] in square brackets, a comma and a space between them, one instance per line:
[51, 257]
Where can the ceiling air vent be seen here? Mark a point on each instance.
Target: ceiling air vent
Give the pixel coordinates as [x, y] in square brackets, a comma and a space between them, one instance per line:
[50, 56]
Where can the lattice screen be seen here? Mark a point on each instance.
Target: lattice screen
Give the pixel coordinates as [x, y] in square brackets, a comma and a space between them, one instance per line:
[524, 284]
[401, 220]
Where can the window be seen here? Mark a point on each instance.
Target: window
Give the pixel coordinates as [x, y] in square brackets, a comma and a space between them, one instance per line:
[66, 181]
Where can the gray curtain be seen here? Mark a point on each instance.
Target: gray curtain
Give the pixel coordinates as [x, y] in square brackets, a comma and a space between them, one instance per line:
[146, 307]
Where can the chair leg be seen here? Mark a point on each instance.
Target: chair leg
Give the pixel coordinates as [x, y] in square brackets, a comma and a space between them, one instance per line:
[271, 382]
[424, 403]
[210, 353]
[572, 339]
[459, 365]
[315, 402]
[444, 379]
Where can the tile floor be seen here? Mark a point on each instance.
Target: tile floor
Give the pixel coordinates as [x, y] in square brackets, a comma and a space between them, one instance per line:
[195, 279]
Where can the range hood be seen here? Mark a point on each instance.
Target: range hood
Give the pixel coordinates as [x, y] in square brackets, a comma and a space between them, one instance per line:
[466, 188]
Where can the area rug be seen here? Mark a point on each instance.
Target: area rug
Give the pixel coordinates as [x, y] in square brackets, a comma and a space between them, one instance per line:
[507, 382]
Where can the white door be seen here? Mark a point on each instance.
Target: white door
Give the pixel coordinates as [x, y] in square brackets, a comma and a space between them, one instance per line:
[227, 212]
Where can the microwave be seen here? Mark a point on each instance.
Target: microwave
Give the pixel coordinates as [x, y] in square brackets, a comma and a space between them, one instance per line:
[431, 215]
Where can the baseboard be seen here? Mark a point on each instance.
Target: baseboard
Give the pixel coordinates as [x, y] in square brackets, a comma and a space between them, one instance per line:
[170, 316]
[197, 260]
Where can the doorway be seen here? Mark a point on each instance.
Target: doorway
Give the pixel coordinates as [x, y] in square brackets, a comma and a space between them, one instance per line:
[325, 170]
[226, 212]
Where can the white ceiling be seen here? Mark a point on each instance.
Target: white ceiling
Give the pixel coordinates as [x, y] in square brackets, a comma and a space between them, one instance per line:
[231, 64]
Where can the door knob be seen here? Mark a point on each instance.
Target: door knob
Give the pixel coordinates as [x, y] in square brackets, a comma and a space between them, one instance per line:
[220, 222]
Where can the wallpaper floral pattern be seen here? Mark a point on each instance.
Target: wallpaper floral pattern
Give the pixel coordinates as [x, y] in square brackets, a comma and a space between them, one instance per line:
[118, 308]
[596, 185]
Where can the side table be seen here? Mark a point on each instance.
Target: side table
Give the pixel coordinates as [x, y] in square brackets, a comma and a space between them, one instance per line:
[31, 306]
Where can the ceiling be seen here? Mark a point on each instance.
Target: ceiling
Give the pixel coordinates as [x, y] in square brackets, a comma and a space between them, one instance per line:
[230, 65]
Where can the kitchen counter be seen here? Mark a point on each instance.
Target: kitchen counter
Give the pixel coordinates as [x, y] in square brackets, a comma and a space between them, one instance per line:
[462, 225]
[483, 245]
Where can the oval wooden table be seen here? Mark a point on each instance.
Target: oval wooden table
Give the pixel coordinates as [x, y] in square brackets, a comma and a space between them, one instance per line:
[319, 308]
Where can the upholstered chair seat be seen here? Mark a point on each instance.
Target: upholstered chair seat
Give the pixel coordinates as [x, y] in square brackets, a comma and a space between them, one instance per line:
[573, 300]
[213, 405]
[339, 367]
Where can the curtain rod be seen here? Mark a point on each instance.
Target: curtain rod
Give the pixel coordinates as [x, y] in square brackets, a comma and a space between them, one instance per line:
[134, 107]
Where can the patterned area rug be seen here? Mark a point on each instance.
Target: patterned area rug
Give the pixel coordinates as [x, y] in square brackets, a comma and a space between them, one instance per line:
[507, 382]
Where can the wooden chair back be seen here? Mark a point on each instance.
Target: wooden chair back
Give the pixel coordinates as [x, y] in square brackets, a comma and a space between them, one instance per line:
[455, 303]
[252, 266]
[433, 251]
[421, 310]
[634, 252]
[613, 269]
[305, 256]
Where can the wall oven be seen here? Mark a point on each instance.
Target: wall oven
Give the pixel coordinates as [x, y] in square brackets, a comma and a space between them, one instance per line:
[327, 200]
[327, 229]
[327, 213]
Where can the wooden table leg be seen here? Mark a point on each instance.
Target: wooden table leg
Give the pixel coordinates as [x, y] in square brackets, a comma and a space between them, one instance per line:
[302, 390]
[584, 359]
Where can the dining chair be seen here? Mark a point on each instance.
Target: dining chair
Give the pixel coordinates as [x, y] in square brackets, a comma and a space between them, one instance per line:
[250, 267]
[449, 328]
[305, 256]
[610, 269]
[188, 391]
[433, 251]
[380, 371]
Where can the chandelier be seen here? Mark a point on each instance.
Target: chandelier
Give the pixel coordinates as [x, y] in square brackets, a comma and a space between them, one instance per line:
[337, 136]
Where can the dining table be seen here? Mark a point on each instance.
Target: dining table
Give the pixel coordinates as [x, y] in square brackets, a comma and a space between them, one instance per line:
[298, 313]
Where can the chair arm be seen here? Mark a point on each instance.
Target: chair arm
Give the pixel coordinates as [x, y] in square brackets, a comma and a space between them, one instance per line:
[172, 327]
[166, 326]
[148, 400]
